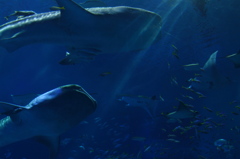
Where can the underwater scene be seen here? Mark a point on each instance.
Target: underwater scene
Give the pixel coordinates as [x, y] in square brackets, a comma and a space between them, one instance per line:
[125, 79]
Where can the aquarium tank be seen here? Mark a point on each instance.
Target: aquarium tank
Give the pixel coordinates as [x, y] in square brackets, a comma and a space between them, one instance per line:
[125, 79]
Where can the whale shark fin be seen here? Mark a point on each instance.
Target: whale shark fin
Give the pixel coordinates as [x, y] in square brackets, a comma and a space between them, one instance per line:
[52, 142]
[73, 10]
[93, 3]
[9, 44]
[9, 108]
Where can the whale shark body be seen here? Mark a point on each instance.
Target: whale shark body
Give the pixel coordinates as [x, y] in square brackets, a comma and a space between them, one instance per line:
[85, 32]
[46, 117]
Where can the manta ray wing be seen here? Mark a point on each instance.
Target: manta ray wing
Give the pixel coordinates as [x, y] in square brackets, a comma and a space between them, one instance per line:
[182, 112]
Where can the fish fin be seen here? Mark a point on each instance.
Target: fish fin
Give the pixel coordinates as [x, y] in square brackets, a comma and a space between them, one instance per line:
[10, 44]
[9, 108]
[211, 62]
[73, 10]
[52, 142]
[93, 3]
[182, 106]
[16, 35]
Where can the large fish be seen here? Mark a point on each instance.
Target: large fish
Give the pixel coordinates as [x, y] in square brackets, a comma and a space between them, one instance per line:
[183, 111]
[46, 117]
[85, 31]
[149, 104]
[210, 78]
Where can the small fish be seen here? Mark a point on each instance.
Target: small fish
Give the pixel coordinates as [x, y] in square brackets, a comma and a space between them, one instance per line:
[188, 88]
[20, 14]
[238, 106]
[173, 140]
[171, 135]
[200, 95]
[175, 52]
[208, 109]
[189, 97]
[54, 8]
[147, 148]
[82, 147]
[177, 128]
[235, 58]
[174, 81]
[194, 80]
[161, 98]
[105, 74]
[220, 114]
[192, 67]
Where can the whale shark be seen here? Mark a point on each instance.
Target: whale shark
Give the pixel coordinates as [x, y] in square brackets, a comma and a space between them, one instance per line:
[46, 117]
[86, 32]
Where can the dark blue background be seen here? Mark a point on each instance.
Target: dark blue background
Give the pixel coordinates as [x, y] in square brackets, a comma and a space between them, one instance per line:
[109, 131]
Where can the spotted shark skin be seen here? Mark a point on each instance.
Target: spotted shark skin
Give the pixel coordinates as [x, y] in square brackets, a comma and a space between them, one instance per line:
[85, 32]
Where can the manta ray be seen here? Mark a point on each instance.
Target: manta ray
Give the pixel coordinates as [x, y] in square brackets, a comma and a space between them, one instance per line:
[85, 32]
[210, 78]
[183, 111]
[149, 104]
[46, 117]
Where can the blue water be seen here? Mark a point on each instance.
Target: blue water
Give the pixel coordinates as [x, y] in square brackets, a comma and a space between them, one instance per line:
[117, 131]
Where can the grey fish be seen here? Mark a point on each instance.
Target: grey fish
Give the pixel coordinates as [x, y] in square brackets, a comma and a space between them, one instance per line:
[86, 32]
[46, 117]
[21, 14]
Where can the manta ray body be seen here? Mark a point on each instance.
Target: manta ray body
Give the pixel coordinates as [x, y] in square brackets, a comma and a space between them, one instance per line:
[85, 32]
